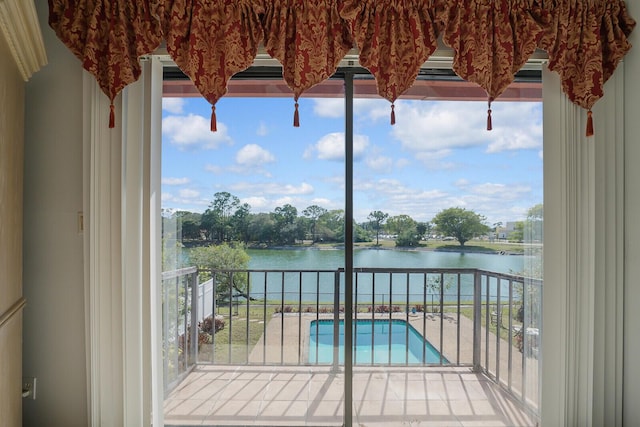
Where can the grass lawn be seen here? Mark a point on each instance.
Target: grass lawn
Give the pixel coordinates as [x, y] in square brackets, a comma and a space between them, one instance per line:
[245, 331]
[439, 245]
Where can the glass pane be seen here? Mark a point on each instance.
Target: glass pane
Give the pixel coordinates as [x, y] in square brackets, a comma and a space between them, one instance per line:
[439, 314]
[448, 255]
[253, 221]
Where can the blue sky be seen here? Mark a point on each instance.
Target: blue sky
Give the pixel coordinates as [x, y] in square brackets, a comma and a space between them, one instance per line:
[437, 155]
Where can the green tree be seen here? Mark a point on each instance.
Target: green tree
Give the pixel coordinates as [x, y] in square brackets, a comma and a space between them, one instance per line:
[187, 224]
[408, 237]
[330, 226]
[223, 257]
[239, 223]
[216, 219]
[360, 234]
[286, 214]
[460, 223]
[424, 230]
[377, 219]
[314, 212]
[261, 228]
[399, 223]
[517, 235]
[286, 228]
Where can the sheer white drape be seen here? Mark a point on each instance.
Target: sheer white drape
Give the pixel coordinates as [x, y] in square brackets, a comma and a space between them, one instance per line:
[583, 260]
[122, 209]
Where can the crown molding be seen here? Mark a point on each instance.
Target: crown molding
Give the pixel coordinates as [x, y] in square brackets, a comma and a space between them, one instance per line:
[21, 29]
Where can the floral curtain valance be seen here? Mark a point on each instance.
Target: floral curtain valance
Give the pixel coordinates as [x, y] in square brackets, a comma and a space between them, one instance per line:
[211, 40]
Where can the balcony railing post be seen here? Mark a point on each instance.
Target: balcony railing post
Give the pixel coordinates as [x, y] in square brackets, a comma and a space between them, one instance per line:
[477, 319]
[193, 348]
[336, 320]
[214, 308]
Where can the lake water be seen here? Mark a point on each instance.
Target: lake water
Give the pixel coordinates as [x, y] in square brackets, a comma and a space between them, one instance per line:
[380, 288]
[312, 259]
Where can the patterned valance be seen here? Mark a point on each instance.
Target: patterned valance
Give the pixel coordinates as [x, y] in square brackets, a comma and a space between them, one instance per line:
[211, 40]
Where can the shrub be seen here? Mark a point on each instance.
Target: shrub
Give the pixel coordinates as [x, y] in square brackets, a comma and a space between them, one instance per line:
[382, 308]
[285, 309]
[210, 325]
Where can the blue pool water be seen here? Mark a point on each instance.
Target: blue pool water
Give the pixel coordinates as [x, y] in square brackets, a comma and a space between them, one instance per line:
[374, 343]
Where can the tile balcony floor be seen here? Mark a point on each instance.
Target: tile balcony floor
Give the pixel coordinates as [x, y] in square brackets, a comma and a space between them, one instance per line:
[313, 396]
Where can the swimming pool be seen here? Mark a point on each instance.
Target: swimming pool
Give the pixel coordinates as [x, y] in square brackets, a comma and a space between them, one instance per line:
[375, 341]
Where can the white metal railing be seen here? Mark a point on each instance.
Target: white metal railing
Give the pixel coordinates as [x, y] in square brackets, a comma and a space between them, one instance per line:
[179, 324]
[470, 317]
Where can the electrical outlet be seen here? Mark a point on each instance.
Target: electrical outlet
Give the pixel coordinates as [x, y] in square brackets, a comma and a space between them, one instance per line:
[29, 387]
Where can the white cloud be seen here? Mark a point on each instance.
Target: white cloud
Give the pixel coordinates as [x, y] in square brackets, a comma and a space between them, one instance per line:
[249, 160]
[175, 181]
[256, 202]
[442, 126]
[329, 107]
[254, 155]
[495, 201]
[332, 147]
[380, 164]
[322, 202]
[188, 193]
[516, 139]
[187, 199]
[173, 105]
[194, 131]
[429, 127]
[273, 188]
[284, 201]
[333, 108]
[503, 191]
[268, 204]
[435, 160]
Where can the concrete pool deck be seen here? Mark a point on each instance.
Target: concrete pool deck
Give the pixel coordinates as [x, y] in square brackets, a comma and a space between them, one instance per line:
[289, 394]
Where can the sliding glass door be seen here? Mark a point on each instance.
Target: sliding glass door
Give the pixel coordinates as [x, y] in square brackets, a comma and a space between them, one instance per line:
[447, 291]
[349, 271]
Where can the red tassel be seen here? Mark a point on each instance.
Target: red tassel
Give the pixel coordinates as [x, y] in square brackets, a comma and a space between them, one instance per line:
[214, 120]
[296, 117]
[112, 116]
[489, 123]
[393, 114]
[589, 124]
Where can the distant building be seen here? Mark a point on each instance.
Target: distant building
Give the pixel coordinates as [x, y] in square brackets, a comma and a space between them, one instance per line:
[503, 232]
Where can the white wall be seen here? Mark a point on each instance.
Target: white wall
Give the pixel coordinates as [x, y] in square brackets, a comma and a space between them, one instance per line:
[11, 163]
[54, 328]
[54, 319]
[631, 408]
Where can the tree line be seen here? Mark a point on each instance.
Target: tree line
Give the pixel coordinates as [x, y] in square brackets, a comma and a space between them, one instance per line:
[228, 220]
